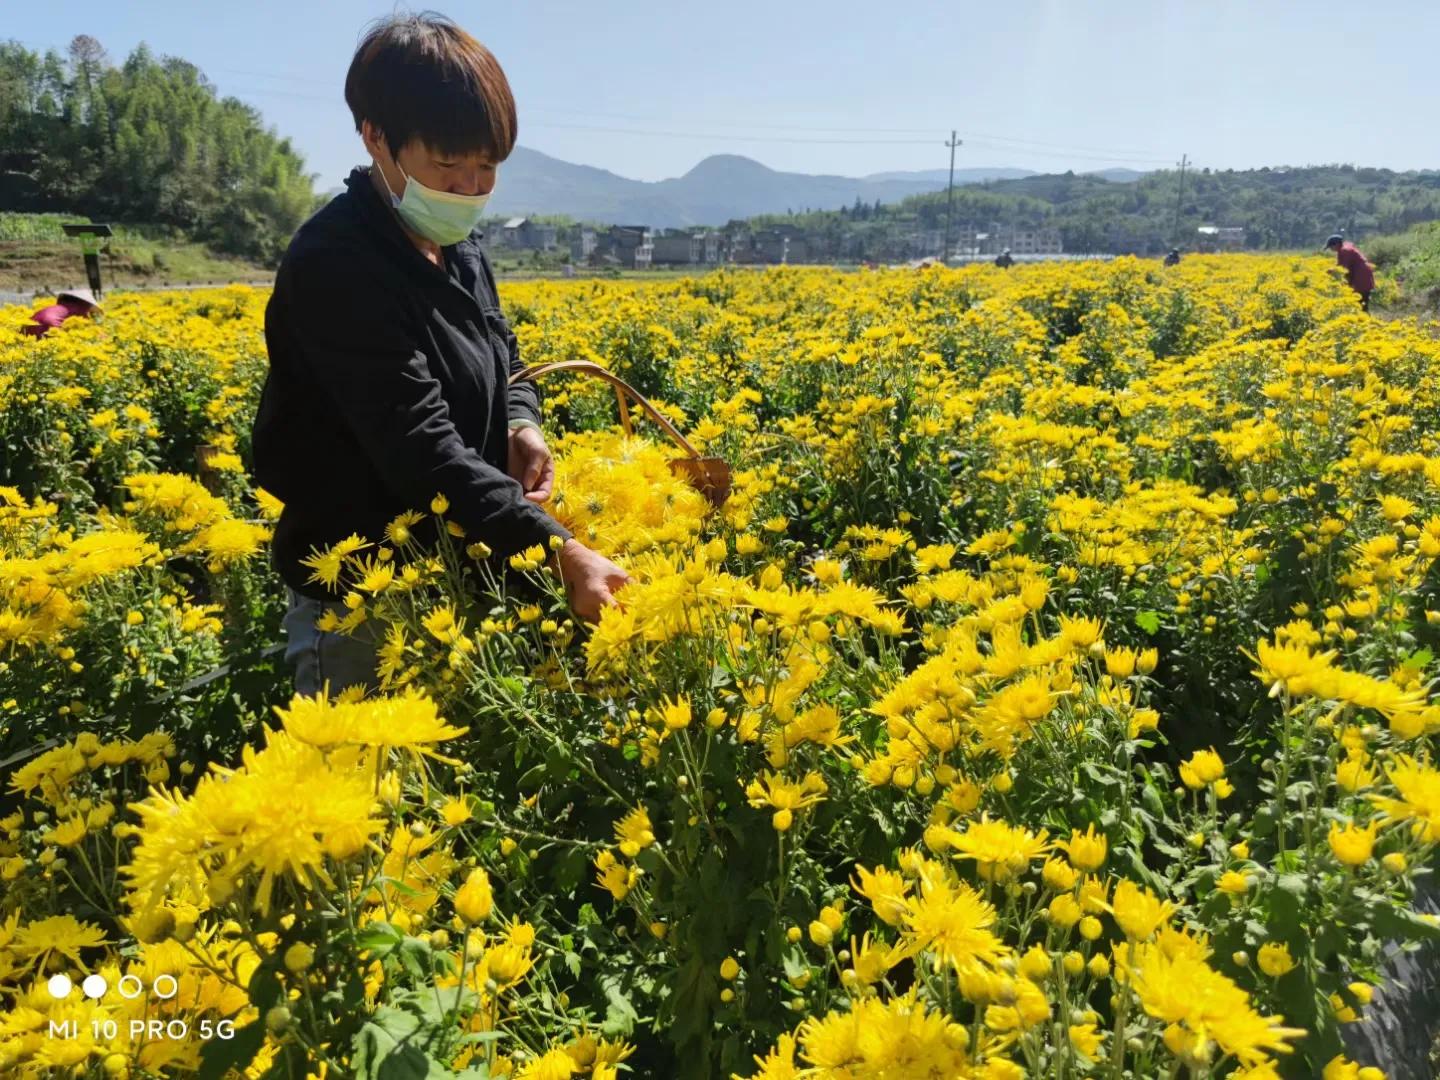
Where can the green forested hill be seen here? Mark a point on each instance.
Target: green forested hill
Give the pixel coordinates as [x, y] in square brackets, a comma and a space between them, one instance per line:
[146, 141]
[1278, 208]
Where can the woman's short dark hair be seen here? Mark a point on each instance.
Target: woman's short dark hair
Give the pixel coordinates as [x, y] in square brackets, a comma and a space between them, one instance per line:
[422, 77]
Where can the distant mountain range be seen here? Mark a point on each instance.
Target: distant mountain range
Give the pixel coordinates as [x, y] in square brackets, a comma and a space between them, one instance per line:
[720, 188]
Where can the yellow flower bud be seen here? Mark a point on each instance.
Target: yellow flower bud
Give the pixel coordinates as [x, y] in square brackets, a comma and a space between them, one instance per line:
[299, 957]
[1035, 964]
[474, 901]
[1275, 959]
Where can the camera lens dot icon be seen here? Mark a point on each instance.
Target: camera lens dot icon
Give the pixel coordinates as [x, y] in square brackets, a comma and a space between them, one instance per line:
[95, 986]
[60, 986]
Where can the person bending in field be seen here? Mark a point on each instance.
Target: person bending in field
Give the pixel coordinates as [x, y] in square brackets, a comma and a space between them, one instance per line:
[389, 353]
[1358, 272]
[74, 303]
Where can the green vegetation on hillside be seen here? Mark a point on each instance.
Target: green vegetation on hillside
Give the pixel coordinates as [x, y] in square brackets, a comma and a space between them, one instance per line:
[36, 257]
[147, 141]
[1413, 259]
[1282, 208]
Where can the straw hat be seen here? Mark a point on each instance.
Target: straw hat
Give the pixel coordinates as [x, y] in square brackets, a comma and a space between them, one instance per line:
[83, 295]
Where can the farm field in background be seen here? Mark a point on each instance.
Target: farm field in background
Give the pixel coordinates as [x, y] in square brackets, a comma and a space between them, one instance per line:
[1051, 697]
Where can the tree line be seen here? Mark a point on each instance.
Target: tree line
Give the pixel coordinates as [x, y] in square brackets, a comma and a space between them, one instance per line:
[1280, 208]
[149, 141]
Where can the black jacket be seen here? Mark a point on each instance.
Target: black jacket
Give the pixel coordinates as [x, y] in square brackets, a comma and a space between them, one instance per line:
[387, 385]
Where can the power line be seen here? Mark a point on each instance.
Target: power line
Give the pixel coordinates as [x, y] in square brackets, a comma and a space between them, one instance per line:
[692, 135]
[1146, 156]
[285, 76]
[1034, 147]
[1000, 142]
[1052, 145]
[992, 141]
[1072, 154]
[263, 92]
[724, 137]
[720, 123]
[729, 138]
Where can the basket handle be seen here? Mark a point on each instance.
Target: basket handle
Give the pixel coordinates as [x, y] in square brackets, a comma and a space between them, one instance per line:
[621, 389]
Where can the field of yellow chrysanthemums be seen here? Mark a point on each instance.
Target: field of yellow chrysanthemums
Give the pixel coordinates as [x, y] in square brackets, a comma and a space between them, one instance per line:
[1050, 698]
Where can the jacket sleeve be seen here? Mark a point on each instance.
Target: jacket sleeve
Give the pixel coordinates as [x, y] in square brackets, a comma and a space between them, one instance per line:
[355, 339]
[523, 399]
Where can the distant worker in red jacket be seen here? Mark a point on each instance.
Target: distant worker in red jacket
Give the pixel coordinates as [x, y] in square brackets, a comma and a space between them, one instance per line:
[68, 305]
[1358, 272]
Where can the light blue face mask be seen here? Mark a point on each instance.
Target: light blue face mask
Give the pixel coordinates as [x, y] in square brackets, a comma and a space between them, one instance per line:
[440, 216]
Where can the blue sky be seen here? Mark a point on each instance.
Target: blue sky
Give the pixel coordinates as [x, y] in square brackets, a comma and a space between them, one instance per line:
[648, 89]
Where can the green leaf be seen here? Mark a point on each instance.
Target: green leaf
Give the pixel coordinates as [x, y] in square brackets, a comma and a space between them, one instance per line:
[436, 1003]
[1332, 940]
[1401, 923]
[416, 957]
[399, 886]
[1286, 900]
[795, 964]
[379, 938]
[887, 827]
[569, 870]
[1150, 799]
[1104, 775]
[264, 989]
[1149, 621]
[479, 1037]
[219, 1057]
[391, 1047]
[1417, 660]
[620, 1015]
[1292, 883]
[1263, 824]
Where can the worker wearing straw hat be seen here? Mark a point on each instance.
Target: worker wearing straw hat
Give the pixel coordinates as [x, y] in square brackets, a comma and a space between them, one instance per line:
[70, 304]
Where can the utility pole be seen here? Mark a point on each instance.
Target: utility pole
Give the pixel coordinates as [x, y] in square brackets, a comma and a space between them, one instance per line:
[949, 197]
[1180, 198]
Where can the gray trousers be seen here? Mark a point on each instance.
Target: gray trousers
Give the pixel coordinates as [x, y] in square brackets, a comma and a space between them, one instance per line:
[325, 657]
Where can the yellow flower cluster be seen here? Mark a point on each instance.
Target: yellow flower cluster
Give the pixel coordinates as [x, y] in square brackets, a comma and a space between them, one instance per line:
[985, 531]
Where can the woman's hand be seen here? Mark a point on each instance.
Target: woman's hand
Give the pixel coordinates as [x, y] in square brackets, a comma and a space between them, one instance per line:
[591, 580]
[531, 464]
